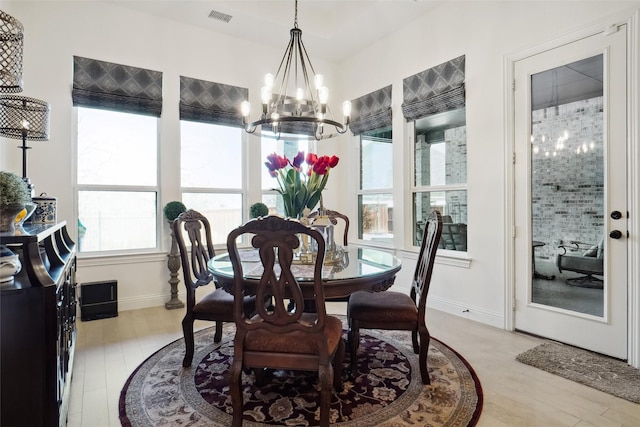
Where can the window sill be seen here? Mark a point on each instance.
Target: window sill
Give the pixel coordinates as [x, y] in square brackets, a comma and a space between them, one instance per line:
[445, 257]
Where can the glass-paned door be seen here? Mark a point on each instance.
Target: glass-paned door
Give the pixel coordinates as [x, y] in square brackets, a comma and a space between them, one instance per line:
[571, 194]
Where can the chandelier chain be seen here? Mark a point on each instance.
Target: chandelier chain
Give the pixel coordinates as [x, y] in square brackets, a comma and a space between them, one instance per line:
[295, 19]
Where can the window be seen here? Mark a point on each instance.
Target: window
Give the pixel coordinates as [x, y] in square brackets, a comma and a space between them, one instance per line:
[375, 195]
[211, 174]
[434, 102]
[288, 145]
[118, 107]
[440, 176]
[117, 177]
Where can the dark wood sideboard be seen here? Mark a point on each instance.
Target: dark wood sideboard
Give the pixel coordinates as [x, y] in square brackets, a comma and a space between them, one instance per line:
[38, 327]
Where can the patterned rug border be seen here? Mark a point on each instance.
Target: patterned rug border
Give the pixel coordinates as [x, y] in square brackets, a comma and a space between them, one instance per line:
[585, 367]
[126, 422]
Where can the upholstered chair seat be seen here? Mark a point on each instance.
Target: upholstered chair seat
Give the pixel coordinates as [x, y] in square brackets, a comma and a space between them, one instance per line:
[219, 300]
[298, 342]
[386, 308]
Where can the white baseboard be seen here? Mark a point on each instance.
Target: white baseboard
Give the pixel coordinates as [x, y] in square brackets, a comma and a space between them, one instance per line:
[468, 312]
[146, 301]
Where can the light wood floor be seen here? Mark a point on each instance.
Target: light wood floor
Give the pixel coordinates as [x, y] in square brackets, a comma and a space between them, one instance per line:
[108, 350]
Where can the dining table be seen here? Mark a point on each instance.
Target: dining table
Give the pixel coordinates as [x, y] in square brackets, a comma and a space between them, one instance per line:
[354, 269]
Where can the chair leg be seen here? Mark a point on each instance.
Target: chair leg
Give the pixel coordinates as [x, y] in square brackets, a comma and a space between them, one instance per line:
[187, 330]
[338, 361]
[325, 376]
[414, 339]
[259, 373]
[354, 343]
[235, 392]
[425, 337]
[218, 335]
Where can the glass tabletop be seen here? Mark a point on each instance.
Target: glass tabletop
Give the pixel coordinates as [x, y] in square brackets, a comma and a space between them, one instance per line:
[355, 263]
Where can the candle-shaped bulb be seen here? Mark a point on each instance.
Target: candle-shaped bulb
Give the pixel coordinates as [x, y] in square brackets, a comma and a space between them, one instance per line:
[268, 80]
[25, 124]
[323, 94]
[265, 94]
[299, 94]
[245, 108]
[346, 108]
[318, 80]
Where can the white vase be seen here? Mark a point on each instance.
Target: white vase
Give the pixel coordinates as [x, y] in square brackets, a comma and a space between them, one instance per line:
[9, 265]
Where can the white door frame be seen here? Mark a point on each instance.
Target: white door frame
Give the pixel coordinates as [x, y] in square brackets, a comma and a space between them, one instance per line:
[632, 20]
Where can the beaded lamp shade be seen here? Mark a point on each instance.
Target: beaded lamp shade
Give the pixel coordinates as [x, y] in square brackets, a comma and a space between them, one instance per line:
[11, 39]
[24, 117]
[27, 119]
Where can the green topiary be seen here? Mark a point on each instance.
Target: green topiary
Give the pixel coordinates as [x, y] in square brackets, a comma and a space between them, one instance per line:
[13, 190]
[258, 209]
[173, 209]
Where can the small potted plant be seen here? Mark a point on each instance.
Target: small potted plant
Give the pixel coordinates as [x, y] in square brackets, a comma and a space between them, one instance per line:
[14, 195]
[258, 209]
[173, 209]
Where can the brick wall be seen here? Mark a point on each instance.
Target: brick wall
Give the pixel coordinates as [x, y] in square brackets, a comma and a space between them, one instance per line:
[568, 175]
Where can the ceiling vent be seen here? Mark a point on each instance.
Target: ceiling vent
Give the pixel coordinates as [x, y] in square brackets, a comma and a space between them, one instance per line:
[219, 16]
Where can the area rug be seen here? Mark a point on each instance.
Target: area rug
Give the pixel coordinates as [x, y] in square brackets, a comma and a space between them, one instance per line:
[386, 391]
[585, 367]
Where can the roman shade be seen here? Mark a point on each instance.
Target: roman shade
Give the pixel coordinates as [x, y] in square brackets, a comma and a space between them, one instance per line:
[294, 128]
[371, 111]
[111, 86]
[434, 90]
[209, 102]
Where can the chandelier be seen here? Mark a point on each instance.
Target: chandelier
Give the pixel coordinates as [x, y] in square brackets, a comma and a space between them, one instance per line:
[296, 107]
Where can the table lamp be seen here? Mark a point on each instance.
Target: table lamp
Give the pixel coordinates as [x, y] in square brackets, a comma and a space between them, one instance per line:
[27, 119]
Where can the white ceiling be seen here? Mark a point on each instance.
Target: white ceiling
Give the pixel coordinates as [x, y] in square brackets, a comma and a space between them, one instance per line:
[331, 29]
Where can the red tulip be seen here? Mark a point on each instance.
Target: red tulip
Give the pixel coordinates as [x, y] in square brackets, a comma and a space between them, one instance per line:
[322, 165]
[297, 160]
[311, 159]
[333, 162]
[275, 162]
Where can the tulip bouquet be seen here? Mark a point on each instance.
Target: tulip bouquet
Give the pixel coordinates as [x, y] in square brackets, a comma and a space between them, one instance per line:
[300, 189]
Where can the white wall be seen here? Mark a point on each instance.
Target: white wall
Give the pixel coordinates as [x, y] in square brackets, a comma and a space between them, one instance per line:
[55, 31]
[483, 31]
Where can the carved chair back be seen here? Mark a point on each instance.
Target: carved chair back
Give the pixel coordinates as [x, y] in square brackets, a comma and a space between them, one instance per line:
[426, 260]
[277, 239]
[197, 229]
[333, 217]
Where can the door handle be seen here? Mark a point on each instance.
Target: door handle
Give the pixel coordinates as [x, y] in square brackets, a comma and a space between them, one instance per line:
[615, 234]
[616, 215]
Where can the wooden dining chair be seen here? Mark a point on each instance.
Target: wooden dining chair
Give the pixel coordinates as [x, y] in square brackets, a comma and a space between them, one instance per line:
[275, 337]
[217, 305]
[390, 310]
[334, 216]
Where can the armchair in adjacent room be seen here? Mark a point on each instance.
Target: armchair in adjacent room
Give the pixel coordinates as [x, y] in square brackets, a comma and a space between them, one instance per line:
[583, 258]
